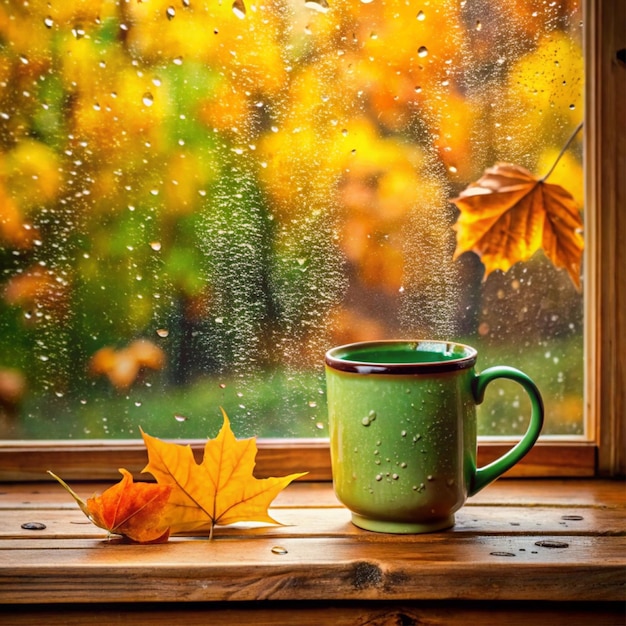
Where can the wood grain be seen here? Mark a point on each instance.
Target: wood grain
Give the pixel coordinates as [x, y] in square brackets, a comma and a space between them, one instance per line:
[605, 226]
[546, 541]
[361, 613]
[99, 460]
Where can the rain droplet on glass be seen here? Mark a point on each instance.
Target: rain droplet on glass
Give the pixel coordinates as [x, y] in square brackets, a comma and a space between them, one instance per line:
[170, 13]
[317, 5]
[48, 22]
[162, 332]
[148, 99]
[239, 9]
[420, 16]
[422, 51]
[180, 418]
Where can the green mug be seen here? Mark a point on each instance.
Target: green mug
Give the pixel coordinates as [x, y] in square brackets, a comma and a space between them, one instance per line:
[402, 417]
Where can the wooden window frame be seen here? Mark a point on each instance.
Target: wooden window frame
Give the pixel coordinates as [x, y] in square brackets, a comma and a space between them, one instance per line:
[603, 453]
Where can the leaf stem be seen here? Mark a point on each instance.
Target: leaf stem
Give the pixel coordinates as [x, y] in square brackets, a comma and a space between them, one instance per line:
[565, 147]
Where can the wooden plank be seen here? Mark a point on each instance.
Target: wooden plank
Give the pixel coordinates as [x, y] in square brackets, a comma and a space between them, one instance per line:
[335, 522]
[99, 460]
[545, 492]
[431, 567]
[605, 227]
[362, 613]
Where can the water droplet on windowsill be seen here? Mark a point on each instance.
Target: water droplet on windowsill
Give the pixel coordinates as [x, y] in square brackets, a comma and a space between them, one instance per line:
[33, 526]
[552, 544]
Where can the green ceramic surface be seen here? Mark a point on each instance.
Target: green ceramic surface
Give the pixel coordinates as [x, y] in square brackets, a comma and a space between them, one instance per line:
[402, 417]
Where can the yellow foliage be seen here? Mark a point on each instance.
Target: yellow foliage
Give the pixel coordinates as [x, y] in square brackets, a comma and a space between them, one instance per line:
[221, 489]
[32, 175]
[544, 91]
[213, 35]
[568, 172]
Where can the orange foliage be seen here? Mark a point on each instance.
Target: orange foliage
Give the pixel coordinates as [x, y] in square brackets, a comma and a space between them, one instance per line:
[12, 388]
[36, 287]
[508, 215]
[133, 510]
[189, 496]
[122, 367]
[13, 230]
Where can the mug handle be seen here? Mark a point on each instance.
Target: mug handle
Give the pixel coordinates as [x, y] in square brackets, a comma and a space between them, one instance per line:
[485, 475]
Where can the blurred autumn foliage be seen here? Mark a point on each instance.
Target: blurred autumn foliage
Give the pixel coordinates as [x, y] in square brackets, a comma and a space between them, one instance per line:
[508, 215]
[187, 189]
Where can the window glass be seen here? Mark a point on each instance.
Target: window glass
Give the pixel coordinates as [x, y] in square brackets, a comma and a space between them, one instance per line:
[198, 199]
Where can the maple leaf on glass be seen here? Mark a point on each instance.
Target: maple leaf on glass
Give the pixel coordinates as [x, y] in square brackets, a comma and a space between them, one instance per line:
[508, 215]
[220, 490]
[134, 510]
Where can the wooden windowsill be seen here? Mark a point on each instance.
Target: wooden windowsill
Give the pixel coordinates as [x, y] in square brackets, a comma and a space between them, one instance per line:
[525, 545]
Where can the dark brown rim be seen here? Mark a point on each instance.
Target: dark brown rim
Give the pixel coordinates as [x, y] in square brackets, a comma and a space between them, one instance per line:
[335, 358]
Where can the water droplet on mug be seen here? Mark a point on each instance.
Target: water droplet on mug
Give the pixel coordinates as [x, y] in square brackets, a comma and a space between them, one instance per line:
[366, 421]
[430, 477]
[372, 415]
[379, 477]
[403, 465]
[395, 476]
[403, 433]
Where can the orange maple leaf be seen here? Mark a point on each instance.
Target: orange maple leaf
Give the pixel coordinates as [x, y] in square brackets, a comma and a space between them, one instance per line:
[134, 510]
[220, 490]
[508, 214]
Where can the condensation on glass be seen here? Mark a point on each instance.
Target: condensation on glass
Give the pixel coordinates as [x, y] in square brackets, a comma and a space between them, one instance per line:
[198, 199]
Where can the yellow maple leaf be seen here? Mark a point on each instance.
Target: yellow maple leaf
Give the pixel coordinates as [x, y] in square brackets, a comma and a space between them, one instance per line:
[508, 214]
[220, 490]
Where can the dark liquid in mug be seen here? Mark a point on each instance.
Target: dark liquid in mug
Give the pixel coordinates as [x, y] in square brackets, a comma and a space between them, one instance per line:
[407, 353]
